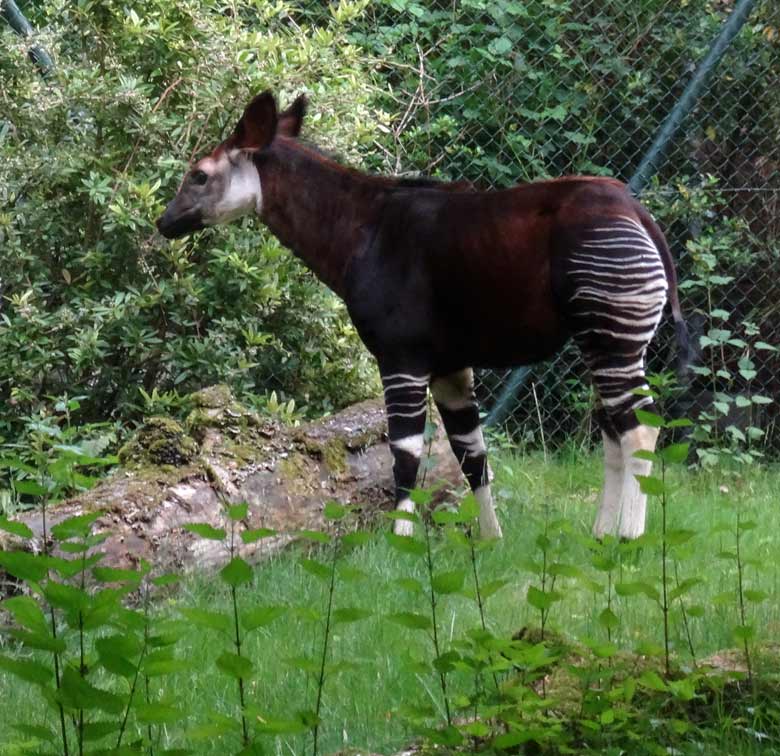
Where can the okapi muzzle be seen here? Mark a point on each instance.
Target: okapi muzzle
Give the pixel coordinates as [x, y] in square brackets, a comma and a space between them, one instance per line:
[218, 189]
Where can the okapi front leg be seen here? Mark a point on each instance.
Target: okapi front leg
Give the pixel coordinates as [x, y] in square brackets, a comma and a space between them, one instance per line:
[405, 398]
[457, 404]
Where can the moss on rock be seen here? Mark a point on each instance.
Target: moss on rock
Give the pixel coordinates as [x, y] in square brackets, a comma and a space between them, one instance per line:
[159, 441]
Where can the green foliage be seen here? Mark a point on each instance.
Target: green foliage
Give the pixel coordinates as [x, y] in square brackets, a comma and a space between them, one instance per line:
[93, 302]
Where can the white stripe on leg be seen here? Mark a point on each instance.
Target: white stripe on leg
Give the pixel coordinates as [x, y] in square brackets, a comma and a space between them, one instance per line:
[633, 503]
[489, 526]
[404, 527]
[608, 518]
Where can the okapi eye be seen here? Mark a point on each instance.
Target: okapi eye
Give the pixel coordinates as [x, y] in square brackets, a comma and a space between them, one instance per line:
[199, 177]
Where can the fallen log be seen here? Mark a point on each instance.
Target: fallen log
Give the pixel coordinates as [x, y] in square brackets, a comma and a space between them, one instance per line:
[173, 474]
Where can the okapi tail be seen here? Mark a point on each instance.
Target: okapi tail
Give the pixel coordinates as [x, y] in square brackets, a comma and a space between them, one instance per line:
[680, 328]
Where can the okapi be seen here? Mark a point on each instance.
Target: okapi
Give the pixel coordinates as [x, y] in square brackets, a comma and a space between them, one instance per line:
[439, 279]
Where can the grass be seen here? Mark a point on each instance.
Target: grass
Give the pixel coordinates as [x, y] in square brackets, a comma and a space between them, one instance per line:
[361, 704]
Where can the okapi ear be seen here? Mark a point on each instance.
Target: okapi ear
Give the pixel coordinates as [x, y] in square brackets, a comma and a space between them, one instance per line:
[257, 126]
[291, 120]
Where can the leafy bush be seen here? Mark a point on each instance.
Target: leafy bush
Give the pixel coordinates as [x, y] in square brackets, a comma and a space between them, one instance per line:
[93, 302]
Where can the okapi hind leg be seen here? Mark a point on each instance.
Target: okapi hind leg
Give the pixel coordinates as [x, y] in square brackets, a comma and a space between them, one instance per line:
[457, 405]
[618, 287]
[406, 396]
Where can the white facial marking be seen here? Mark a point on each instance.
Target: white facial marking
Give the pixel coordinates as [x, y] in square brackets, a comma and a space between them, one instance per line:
[242, 193]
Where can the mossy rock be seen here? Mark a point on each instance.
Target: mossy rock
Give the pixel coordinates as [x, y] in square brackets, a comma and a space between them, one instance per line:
[216, 407]
[159, 441]
[332, 452]
[298, 474]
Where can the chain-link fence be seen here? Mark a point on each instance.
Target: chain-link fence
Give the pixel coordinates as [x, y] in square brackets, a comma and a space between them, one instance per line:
[509, 91]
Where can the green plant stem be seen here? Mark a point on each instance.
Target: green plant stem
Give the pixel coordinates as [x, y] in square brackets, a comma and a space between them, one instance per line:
[237, 640]
[82, 663]
[742, 613]
[686, 624]
[664, 587]
[132, 693]
[45, 536]
[326, 639]
[478, 593]
[434, 620]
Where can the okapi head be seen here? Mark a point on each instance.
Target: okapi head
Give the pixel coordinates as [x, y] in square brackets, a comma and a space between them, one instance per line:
[225, 185]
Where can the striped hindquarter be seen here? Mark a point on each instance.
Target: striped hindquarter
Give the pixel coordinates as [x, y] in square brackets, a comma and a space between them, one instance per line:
[618, 287]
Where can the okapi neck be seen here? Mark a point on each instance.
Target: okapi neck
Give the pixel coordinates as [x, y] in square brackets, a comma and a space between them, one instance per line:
[317, 208]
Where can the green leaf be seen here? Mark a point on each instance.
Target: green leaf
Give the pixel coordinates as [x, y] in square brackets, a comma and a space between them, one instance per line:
[114, 575]
[15, 528]
[446, 517]
[759, 399]
[756, 597]
[488, 589]
[675, 453]
[204, 618]
[650, 418]
[346, 615]
[356, 539]
[158, 713]
[159, 666]
[27, 670]
[469, 508]
[448, 582]
[647, 455]
[66, 597]
[234, 665]
[410, 620]
[318, 569]
[251, 536]
[350, 574]
[744, 633]
[608, 619]
[684, 587]
[36, 731]
[97, 730]
[260, 616]
[39, 640]
[650, 485]
[26, 612]
[236, 572]
[31, 568]
[633, 589]
[76, 693]
[334, 511]
[29, 488]
[542, 600]
[500, 45]
[410, 584]
[406, 544]
[651, 679]
[79, 526]
[204, 530]
[237, 512]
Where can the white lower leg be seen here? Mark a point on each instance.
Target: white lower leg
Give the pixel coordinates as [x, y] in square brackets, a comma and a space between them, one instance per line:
[404, 527]
[489, 526]
[633, 503]
[608, 518]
